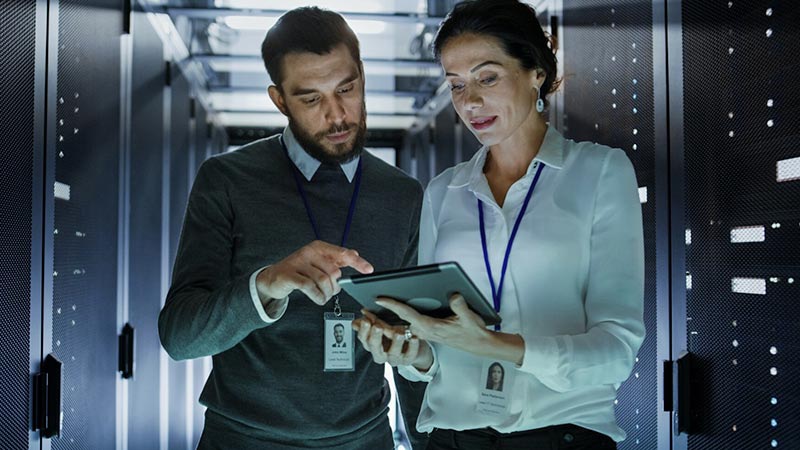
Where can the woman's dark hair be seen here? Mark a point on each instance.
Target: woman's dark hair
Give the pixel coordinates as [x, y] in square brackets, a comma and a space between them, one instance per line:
[489, 376]
[512, 23]
[306, 29]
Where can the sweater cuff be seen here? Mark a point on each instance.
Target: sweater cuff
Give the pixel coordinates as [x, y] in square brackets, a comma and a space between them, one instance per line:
[274, 309]
[411, 373]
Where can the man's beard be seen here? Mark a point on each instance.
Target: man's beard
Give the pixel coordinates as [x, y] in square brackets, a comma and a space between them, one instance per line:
[344, 152]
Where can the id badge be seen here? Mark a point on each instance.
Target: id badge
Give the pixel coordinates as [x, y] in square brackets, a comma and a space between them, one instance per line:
[496, 383]
[339, 342]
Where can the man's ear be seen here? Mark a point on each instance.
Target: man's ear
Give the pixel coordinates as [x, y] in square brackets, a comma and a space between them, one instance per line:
[277, 98]
[363, 78]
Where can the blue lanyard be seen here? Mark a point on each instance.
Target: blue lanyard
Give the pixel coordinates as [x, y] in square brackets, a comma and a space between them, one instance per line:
[302, 193]
[498, 291]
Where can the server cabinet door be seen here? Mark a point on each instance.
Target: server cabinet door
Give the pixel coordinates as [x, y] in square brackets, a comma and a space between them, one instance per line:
[145, 245]
[740, 119]
[22, 78]
[610, 98]
[86, 218]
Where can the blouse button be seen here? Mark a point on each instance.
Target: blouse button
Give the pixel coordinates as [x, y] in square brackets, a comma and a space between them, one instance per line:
[568, 437]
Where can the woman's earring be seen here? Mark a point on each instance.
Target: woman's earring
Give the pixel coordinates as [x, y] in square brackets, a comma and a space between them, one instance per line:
[539, 101]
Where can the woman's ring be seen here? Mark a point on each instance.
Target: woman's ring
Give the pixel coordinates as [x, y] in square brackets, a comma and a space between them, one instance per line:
[408, 335]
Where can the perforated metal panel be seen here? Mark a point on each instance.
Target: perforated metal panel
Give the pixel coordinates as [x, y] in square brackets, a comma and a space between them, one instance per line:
[609, 99]
[17, 71]
[742, 195]
[86, 213]
[146, 168]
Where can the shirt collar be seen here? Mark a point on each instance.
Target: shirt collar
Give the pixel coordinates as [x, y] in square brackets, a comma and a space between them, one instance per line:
[307, 164]
[551, 153]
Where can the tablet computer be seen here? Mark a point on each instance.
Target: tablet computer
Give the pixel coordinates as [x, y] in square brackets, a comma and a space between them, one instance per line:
[427, 289]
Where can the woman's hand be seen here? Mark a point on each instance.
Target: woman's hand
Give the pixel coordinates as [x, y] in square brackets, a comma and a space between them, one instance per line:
[465, 330]
[388, 344]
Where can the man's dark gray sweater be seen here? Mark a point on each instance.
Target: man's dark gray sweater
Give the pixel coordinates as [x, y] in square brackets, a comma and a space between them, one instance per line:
[244, 213]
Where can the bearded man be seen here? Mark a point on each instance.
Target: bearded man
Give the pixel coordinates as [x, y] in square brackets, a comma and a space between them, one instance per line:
[268, 231]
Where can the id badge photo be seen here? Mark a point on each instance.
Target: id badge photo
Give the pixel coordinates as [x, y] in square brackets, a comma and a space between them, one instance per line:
[339, 342]
[496, 382]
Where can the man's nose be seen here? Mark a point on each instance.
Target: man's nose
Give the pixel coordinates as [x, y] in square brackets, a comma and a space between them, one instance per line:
[335, 112]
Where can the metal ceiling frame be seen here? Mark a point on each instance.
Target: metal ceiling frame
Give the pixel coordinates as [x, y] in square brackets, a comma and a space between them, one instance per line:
[213, 13]
[434, 101]
[421, 65]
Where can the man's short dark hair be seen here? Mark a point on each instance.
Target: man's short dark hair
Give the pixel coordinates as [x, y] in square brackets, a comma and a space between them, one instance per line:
[307, 29]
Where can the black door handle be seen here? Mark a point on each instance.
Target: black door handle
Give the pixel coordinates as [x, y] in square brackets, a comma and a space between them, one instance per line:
[685, 394]
[47, 398]
[126, 351]
[127, 12]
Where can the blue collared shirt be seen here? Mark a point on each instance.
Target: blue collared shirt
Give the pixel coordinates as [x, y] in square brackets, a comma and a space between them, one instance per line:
[308, 166]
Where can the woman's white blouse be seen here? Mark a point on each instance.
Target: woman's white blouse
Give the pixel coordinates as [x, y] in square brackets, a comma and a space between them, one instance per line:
[573, 289]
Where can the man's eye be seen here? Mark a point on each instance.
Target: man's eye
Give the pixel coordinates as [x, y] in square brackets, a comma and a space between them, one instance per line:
[456, 87]
[345, 90]
[310, 101]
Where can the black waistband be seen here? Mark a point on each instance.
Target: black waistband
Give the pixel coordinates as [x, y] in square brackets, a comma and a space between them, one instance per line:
[544, 437]
[534, 432]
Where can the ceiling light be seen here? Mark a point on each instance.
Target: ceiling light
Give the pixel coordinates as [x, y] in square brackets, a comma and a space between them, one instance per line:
[250, 22]
[362, 6]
